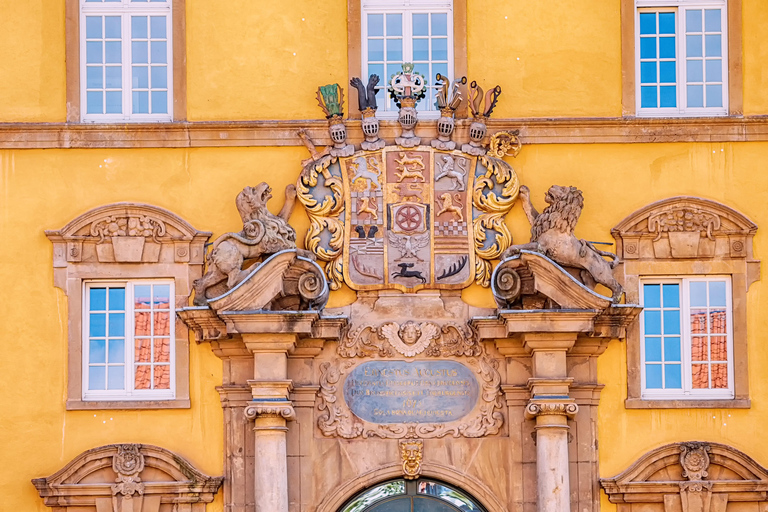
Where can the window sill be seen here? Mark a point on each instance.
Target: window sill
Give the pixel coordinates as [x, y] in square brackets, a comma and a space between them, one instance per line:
[732, 403]
[91, 405]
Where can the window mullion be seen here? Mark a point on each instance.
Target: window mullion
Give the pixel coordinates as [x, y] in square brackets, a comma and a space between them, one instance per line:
[682, 63]
[407, 36]
[685, 321]
[127, 68]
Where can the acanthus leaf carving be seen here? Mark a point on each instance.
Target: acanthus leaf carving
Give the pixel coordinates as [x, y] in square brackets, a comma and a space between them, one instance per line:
[684, 219]
[128, 225]
[694, 458]
[128, 463]
[410, 339]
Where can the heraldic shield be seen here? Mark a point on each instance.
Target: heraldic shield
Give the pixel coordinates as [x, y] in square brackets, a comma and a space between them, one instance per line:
[409, 221]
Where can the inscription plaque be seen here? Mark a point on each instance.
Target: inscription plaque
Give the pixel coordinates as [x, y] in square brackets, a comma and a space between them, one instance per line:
[416, 392]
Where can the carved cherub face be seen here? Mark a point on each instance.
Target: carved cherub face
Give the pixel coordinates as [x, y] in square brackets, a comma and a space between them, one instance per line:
[410, 333]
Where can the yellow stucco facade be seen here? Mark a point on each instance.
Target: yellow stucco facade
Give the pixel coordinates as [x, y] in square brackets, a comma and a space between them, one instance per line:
[262, 61]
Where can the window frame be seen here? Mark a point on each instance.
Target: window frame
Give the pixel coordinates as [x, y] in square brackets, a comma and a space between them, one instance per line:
[129, 392]
[732, 57]
[687, 392]
[679, 7]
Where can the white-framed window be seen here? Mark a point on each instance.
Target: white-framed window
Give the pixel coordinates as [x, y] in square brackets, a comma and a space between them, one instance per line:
[687, 338]
[128, 340]
[126, 60]
[397, 31]
[681, 57]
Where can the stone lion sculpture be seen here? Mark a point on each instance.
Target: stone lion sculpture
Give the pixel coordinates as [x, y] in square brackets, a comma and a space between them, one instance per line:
[263, 234]
[552, 235]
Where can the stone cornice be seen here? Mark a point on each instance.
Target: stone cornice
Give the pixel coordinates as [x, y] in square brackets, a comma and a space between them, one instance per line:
[283, 133]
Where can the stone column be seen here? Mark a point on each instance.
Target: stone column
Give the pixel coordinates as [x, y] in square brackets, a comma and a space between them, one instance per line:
[551, 406]
[552, 475]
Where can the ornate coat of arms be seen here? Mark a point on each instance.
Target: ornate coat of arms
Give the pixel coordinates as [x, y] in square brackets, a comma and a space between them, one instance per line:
[409, 216]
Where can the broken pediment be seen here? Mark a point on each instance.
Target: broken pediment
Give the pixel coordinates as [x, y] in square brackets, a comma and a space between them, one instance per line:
[689, 477]
[684, 227]
[128, 478]
[529, 280]
[128, 233]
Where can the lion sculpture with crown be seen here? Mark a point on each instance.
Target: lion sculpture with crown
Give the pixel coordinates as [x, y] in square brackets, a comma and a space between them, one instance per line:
[263, 234]
[552, 234]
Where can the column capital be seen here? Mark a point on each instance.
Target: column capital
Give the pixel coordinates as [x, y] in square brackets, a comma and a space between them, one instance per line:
[276, 409]
[536, 408]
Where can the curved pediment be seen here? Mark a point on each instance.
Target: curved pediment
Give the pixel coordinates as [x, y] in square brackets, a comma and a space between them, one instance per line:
[103, 478]
[685, 227]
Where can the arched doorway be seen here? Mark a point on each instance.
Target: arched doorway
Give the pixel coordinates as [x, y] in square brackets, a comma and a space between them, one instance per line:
[423, 495]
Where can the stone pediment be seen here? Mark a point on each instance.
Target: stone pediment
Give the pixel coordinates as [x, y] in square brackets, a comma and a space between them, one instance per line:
[128, 233]
[529, 280]
[123, 477]
[691, 476]
[684, 227]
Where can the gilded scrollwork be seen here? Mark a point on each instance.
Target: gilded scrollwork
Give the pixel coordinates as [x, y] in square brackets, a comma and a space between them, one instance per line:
[324, 203]
[493, 196]
[335, 419]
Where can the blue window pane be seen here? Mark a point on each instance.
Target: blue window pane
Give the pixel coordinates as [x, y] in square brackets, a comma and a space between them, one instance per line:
[159, 52]
[695, 96]
[667, 72]
[116, 298]
[667, 48]
[712, 20]
[376, 69]
[671, 349]
[693, 46]
[97, 377]
[114, 77]
[157, 27]
[116, 351]
[648, 73]
[139, 52]
[143, 295]
[161, 294]
[93, 52]
[159, 102]
[693, 20]
[141, 102]
[93, 27]
[717, 293]
[695, 70]
[112, 53]
[648, 48]
[714, 95]
[394, 25]
[375, 24]
[653, 349]
[440, 49]
[648, 97]
[714, 70]
[375, 50]
[97, 351]
[652, 322]
[116, 377]
[93, 77]
[140, 79]
[421, 24]
[114, 102]
[97, 325]
[714, 46]
[138, 27]
[159, 77]
[439, 24]
[112, 27]
[668, 96]
[95, 101]
[666, 23]
[117, 324]
[698, 292]
[671, 295]
[651, 295]
[421, 49]
[393, 69]
[653, 376]
[394, 49]
[673, 376]
[672, 321]
[647, 22]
